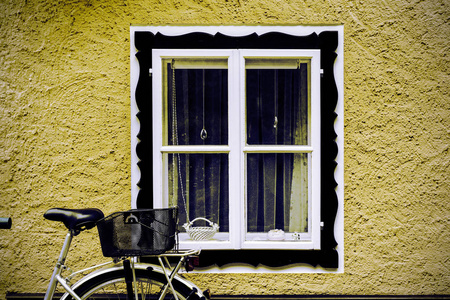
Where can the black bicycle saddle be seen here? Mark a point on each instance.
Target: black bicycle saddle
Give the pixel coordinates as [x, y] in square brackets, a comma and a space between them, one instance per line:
[75, 219]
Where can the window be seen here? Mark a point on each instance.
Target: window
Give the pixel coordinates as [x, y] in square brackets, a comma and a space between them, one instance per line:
[235, 133]
[236, 140]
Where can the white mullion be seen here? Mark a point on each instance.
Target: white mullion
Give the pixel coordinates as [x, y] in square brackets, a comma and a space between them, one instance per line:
[195, 149]
[235, 180]
[242, 154]
[278, 149]
[314, 200]
[165, 199]
[157, 98]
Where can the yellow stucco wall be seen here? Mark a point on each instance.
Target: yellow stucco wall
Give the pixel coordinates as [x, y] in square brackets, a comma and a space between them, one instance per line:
[65, 133]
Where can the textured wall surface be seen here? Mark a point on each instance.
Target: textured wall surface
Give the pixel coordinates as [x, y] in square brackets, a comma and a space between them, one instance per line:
[65, 133]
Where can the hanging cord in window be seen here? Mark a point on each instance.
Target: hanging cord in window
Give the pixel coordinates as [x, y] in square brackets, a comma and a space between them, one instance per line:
[196, 233]
[176, 161]
[203, 132]
[275, 100]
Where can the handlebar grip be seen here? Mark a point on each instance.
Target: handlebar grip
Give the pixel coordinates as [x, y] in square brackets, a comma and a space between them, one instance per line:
[5, 223]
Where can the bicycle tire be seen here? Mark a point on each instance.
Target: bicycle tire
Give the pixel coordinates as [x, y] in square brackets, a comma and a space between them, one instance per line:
[111, 285]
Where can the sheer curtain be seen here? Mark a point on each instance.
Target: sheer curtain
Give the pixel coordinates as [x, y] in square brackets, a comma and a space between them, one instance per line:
[277, 183]
[198, 115]
[276, 114]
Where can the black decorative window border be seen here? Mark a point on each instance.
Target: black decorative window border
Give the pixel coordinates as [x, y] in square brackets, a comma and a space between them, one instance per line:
[327, 43]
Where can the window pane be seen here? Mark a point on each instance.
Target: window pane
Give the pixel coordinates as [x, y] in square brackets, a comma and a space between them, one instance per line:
[277, 192]
[196, 102]
[276, 103]
[198, 185]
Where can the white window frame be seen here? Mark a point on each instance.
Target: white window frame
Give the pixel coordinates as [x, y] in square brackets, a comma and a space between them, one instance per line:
[237, 148]
[160, 195]
[310, 240]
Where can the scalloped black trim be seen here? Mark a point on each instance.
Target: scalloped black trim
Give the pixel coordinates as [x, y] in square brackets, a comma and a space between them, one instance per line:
[327, 42]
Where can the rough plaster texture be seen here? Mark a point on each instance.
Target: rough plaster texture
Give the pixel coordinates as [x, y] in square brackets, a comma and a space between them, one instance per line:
[65, 133]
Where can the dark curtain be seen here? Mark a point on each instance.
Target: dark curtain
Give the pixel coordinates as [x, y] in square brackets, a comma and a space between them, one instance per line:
[277, 114]
[199, 181]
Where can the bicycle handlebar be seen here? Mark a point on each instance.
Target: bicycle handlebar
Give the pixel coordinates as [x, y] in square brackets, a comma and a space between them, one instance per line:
[5, 223]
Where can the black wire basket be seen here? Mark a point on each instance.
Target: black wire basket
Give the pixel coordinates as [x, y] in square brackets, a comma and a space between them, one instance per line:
[138, 232]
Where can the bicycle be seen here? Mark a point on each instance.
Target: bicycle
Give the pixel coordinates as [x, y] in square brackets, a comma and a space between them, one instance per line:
[126, 237]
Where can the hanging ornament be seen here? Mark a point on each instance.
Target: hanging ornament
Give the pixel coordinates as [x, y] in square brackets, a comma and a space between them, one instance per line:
[275, 100]
[203, 132]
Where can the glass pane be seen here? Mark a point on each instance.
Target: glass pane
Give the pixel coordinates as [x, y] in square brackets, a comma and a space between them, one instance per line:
[196, 102]
[276, 103]
[277, 193]
[198, 185]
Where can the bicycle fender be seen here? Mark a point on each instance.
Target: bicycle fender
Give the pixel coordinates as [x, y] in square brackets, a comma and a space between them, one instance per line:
[196, 294]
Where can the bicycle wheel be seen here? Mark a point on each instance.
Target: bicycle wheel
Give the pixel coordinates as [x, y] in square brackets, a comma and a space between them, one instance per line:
[112, 285]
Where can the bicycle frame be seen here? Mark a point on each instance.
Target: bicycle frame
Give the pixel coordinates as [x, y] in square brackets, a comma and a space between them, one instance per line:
[165, 268]
[60, 265]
